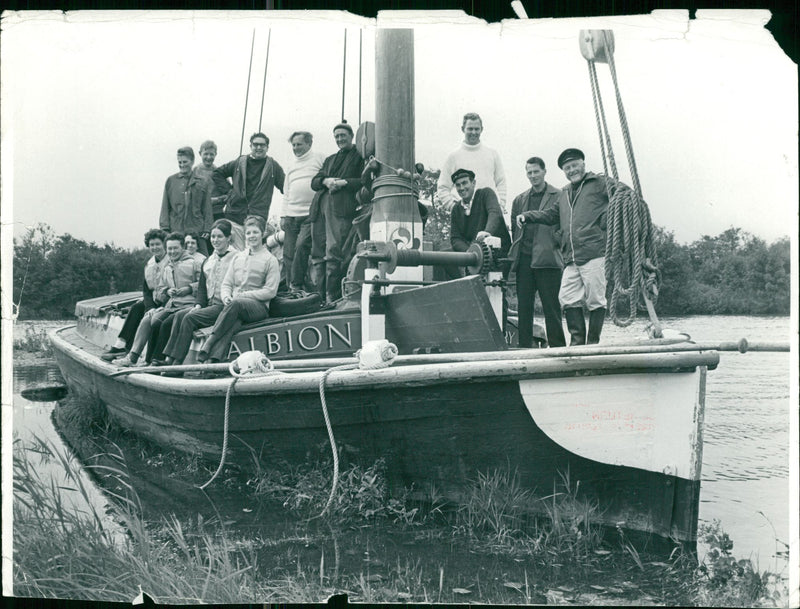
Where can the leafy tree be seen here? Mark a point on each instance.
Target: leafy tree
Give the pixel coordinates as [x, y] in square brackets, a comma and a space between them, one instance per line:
[52, 273]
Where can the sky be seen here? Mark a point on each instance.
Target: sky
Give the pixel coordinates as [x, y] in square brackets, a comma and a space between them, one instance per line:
[95, 104]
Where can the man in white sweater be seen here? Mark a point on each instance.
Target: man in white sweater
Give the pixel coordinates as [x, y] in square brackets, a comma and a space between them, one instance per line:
[297, 199]
[476, 157]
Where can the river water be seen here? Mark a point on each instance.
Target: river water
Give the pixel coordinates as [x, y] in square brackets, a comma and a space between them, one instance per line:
[745, 479]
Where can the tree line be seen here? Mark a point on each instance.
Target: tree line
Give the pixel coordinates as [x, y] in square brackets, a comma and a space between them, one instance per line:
[733, 273]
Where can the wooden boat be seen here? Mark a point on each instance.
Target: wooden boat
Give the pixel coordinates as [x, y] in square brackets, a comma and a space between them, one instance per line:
[624, 423]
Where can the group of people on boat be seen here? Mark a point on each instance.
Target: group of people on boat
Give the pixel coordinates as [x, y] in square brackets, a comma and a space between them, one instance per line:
[557, 243]
[210, 265]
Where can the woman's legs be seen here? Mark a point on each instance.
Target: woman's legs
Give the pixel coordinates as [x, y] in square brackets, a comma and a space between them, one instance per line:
[238, 312]
[181, 338]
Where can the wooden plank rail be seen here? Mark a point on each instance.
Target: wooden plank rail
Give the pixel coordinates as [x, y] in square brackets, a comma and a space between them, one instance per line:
[660, 346]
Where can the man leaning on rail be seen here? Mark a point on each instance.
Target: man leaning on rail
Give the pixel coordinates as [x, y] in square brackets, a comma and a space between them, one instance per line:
[581, 218]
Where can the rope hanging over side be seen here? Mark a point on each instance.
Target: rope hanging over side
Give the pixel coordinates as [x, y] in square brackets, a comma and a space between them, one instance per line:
[630, 248]
[372, 356]
[250, 363]
[630, 254]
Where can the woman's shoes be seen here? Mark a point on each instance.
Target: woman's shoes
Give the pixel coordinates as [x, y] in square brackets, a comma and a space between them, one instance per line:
[113, 353]
[126, 361]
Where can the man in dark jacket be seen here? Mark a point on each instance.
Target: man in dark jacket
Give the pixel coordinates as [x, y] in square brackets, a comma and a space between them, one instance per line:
[476, 215]
[254, 178]
[336, 185]
[582, 218]
[186, 203]
[536, 256]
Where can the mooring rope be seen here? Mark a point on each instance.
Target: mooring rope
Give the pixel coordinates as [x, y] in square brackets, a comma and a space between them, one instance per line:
[372, 356]
[250, 363]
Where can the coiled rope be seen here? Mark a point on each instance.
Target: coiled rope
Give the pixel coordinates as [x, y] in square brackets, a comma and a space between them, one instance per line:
[630, 246]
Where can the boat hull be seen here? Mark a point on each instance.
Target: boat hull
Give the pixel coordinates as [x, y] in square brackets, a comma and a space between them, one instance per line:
[599, 424]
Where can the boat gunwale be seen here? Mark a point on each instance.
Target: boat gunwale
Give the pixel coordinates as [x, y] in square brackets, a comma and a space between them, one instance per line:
[488, 370]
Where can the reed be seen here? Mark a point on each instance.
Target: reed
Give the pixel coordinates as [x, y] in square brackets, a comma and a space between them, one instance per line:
[34, 340]
[64, 551]
[362, 492]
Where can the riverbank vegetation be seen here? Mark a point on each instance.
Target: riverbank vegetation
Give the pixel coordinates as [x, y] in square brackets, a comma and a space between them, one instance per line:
[733, 273]
[263, 539]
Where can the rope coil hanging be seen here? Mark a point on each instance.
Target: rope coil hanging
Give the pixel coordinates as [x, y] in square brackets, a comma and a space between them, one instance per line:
[630, 247]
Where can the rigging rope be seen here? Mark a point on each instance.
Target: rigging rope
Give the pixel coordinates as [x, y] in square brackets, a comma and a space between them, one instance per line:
[360, 57]
[247, 91]
[630, 247]
[344, 71]
[264, 86]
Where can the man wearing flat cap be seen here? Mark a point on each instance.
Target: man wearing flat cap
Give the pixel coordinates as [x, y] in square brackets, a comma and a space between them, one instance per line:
[581, 216]
[476, 215]
[336, 185]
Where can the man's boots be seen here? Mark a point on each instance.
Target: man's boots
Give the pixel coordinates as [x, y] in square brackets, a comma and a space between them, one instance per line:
[576, 325]
[596, 318]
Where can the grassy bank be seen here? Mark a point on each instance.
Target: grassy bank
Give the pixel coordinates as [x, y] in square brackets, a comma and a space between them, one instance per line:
[374, 546]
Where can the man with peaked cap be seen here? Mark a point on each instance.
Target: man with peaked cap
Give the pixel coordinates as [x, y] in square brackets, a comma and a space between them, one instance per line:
[476, 215]
[336, 185]
[581, 216]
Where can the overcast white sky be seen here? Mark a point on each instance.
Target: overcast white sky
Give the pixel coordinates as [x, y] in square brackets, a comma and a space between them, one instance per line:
[95, 105]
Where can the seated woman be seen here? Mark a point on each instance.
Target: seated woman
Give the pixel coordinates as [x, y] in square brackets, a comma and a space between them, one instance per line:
[178, 282]
[208, 301]
[190, 241]
[250, 283]
[155, 240]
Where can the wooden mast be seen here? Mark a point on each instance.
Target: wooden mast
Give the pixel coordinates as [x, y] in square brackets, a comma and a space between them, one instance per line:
[395, 215]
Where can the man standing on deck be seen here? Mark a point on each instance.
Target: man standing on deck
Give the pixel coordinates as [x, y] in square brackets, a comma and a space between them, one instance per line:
[476, 216]
[254, 178]
[186, 204]
[297, 197]
[208, 152]
[336, 185]
[537, 257]
[581, 216]
[473, 155]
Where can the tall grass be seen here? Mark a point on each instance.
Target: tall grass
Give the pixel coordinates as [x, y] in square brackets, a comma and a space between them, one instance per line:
[362, 492]
[63, 551]
[502, 517]
[34, 340]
